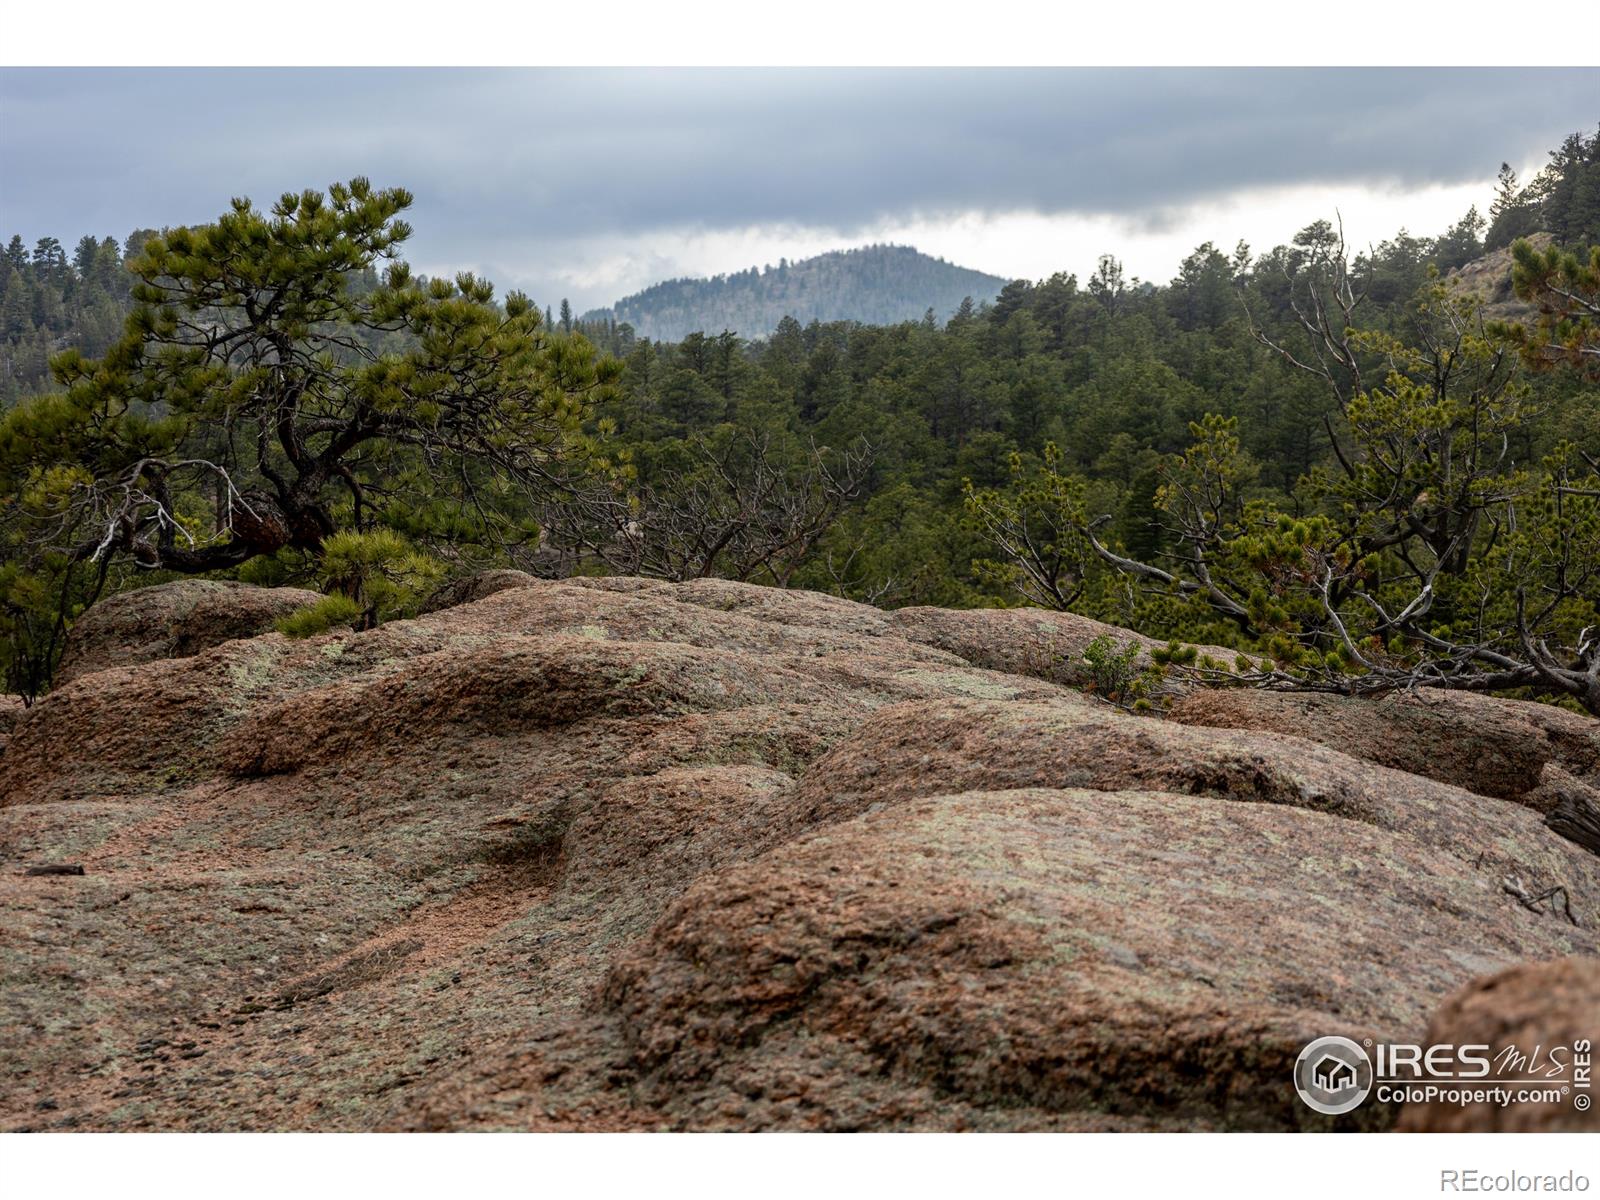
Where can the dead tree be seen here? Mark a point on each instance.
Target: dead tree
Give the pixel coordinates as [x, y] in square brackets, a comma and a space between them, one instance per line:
[742, 508]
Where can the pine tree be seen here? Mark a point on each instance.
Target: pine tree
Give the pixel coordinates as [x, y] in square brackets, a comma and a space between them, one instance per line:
[477, 393]
[84, 256]
[1462, 242]
[1511, 215]
[1571, 192]
[16, 311]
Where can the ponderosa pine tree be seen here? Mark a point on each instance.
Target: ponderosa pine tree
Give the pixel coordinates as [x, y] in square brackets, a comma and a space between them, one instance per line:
[256, 401]
[259, 400]
[1565, 289]
[1512, 214]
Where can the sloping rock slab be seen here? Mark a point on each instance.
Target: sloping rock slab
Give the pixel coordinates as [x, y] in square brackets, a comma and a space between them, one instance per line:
[172, 620]
[1026, 641]
[919, 749]
[1036, 953]
[622, 854]
[1490, 746]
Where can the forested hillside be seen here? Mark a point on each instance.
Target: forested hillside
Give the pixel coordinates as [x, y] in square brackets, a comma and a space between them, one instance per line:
[1112, 378]
[49, 302]
[875, 285]
[1330, 456]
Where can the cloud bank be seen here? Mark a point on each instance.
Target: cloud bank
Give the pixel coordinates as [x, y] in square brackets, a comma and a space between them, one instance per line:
[591, 179]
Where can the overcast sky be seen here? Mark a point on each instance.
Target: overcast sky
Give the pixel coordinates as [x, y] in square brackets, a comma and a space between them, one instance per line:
[593, 183]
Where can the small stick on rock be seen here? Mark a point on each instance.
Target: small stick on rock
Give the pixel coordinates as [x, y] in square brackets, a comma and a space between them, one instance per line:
[56, 869]
[1513, 886]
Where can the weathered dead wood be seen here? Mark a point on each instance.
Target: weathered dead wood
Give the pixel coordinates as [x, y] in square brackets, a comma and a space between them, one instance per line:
[1577, 818]
[1574, 807]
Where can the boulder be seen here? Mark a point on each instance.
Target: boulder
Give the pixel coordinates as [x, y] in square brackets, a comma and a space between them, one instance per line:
[919, 749]
[1496, 747]
[1487, 280]
[172, 620]
[1048, 958]
[1530, 1016]
[474, 587]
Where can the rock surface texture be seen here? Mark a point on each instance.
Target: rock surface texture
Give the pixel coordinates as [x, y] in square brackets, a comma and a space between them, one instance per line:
[1535, 1004]
[621, 854]
[173, 620]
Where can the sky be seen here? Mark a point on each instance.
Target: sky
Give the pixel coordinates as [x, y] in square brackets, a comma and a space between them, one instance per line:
[590, 184]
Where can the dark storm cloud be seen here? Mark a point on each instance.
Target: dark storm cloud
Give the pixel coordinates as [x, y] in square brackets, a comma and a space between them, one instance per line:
[529, 157]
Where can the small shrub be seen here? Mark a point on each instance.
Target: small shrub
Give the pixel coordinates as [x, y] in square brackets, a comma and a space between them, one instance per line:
[370, 578]
[1175, 655]
[1115, 676]
[327, 613]
[380, 571]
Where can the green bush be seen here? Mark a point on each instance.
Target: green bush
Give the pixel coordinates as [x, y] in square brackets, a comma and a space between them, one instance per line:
[370, 577]
[1114, 674]
[327, 613]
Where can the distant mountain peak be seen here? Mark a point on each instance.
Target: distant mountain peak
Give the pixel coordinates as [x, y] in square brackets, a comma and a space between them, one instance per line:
[876, 285]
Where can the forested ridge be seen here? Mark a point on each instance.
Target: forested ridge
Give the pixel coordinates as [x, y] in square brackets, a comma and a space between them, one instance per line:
[875, 285]
[1325, 456]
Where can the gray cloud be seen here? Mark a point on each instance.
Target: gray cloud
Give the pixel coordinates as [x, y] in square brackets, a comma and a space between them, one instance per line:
[509, 163]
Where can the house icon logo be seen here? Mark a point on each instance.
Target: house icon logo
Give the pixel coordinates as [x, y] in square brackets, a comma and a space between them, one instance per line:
[1333, 1075]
